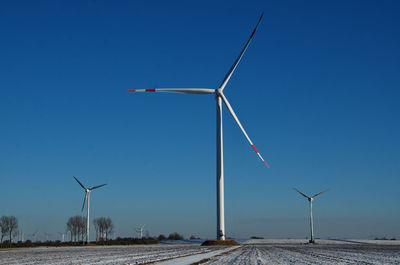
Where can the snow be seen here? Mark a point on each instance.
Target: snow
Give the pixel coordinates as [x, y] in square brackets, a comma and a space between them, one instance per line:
[265, 251]
[113, 255]
[196, 258]
[265, 254]
[321, 241]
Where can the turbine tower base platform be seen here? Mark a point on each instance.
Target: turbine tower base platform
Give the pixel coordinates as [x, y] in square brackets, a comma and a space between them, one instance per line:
[214, 242]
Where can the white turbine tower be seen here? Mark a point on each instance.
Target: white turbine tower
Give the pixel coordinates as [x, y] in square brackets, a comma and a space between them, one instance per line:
[220, 97]
[310, 199]
[140, 230]
[87, 199]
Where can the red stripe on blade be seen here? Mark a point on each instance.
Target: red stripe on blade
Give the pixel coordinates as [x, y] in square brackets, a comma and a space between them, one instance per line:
[254, 32]
[151, 90]
[266, 164]
[131, 90]
[254, 148]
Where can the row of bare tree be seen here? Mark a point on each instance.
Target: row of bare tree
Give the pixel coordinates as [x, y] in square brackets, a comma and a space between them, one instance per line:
[76, 226]
[8, 227]
[104, 227]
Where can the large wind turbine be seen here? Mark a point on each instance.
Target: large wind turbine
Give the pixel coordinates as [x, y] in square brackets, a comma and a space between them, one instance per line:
[310, 199]
[87, 199]
[219, 96]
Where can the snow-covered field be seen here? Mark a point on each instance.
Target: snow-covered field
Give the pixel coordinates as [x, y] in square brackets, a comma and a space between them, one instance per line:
[115, 255]
[310, 254]
[322, 241]
[288, 251]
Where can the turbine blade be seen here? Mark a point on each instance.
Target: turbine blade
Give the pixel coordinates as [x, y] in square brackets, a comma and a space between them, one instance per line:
[80, 183]
[240, 125]
[319, 193]
[96, 187]
[230, 72]
[177, 90]
[84, 201]
[301, 193]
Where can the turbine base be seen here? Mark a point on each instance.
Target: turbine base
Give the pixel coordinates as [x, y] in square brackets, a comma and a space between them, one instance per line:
[214, 242]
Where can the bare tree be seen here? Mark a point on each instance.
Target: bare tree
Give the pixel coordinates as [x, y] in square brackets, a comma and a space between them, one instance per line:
[104, 228]
[99, 226]
[76, 225]
[73, 228]
[4, 227]
[109, 227]
[13, 226]
[175, 236]
[81, 222]
[96, 228]
[70, 228]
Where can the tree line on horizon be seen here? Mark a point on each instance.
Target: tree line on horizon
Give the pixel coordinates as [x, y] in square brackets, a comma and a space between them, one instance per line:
[76, 226]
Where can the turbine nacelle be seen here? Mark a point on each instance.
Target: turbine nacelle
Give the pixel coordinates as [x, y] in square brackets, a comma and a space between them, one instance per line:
[87, 191]
[309, 197]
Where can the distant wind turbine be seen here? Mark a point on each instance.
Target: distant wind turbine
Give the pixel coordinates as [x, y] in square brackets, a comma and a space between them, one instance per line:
[20, 235]
[62, 236]
[140, 230]
[34, 235]
[87, 199]
[310, 199]
[220, 97]
[47, 236]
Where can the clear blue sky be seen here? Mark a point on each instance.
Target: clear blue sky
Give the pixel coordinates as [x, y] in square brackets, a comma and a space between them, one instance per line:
[317, 92]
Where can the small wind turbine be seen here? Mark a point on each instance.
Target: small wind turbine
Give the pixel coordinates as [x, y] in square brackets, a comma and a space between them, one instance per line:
[140, 230]
[87, 199]
[47, 236]
[34, 235]
[220, 97]
[62, 236]
[310, 199]
[20, 235]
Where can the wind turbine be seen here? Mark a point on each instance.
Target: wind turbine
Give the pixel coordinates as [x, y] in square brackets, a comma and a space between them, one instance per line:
[62, 236]
[220, 97]
[87, 199]
[34, 235]
[310, 199]
[47, 236]
[140, 230]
